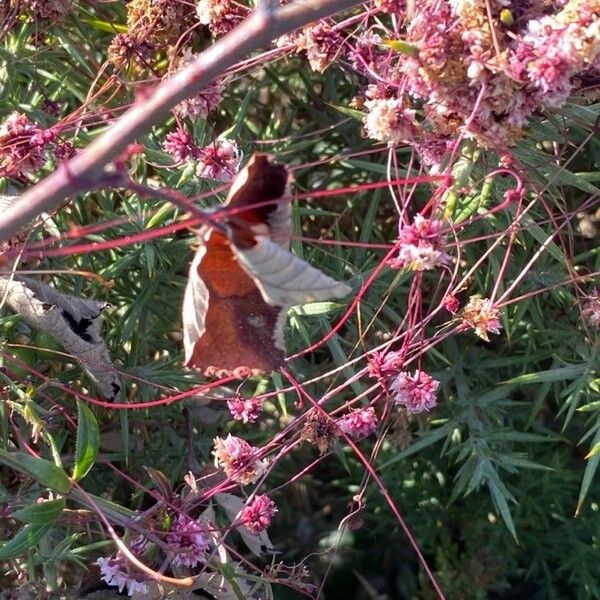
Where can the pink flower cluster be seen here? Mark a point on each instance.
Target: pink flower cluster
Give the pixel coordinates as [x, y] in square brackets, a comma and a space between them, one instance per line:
[117, 570]
[464, 71]
[189, 541]
[321, 42]
[383, 365]
[220, 16]
[220, 160]
[238, 459]
[416, 392]
[420, 245]
[205, 101]
[257, 515]
[246, 410]
[359, 423]
[23, 146]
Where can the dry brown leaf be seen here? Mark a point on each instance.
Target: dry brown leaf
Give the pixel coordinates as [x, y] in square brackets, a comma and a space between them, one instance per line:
[72, 321]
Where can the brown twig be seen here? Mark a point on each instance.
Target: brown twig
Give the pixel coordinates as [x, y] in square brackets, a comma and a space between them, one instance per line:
[86, 170]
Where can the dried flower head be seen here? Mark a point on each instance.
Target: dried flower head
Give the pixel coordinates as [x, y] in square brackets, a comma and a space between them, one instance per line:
[128, 50]
[160, 22]
[221, 16]
[220, 160]
[320, 430]
[321, 42]
[420, 245]
[416, 392]
[64, 151]
[257, 515]
[591, 308]
[481, 316]
[359, 423]
[238, 459]
[53, 11]
[189, 541]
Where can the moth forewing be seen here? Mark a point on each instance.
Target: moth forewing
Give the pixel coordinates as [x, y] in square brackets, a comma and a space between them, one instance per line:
[284, 279]
[195, 304]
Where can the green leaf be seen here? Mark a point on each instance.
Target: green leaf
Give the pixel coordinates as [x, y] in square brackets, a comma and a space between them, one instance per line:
[349, 112]
[314, 308]
[26, 539]
[552, 375]
[88, 441]
[40, 469]
[402, 47]
[44, 513]
[594, 451]
[502, 507]
[590, 470]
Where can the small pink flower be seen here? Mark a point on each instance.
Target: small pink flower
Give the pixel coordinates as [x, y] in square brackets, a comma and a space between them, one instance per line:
[359, 423]
[388, 120]
[591, 309]
[321, 42]
[180, 145]
[365, 54]
[220, 160]
[451, 304]
[221, 16]
[384, 364]
[238, 459]
[189, 541]
[416, 392]
[257, 515]
[481, 315]
[205, 101]
[117, 570]
[245, 409]
[22, 146]
[420, 245]
[392, 7]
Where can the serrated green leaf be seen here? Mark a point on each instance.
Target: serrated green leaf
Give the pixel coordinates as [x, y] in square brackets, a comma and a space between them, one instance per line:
[88, 441]
[40, 469]
[44, 513]
[25, 540]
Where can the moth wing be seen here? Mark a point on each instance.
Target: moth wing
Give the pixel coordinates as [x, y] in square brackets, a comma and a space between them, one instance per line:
[259, 181]
[283, 278]
[195, 306]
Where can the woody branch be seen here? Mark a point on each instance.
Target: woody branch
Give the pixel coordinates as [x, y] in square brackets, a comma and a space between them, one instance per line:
[86, 170]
